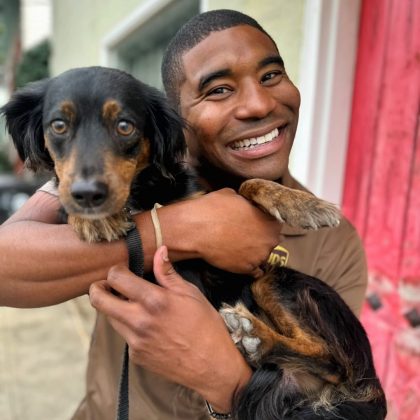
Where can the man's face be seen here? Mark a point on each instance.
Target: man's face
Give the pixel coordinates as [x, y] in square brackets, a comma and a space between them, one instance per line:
[241, 106]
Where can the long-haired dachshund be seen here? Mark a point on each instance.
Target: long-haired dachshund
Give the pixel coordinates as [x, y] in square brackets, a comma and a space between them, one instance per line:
[113, 143]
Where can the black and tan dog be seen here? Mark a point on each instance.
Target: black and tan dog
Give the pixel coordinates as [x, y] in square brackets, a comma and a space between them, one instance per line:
[114, 143]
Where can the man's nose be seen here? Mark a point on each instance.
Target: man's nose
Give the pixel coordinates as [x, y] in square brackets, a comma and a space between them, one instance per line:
[255, 102]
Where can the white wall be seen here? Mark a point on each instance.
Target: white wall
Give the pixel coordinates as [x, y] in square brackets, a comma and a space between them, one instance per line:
[36, 22]
[326, 85]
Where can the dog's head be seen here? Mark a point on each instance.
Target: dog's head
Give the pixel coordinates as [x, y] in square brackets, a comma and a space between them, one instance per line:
[97, 128]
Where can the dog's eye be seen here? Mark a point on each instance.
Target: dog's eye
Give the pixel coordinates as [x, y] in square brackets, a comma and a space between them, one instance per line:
[59, 126]
[125, 128]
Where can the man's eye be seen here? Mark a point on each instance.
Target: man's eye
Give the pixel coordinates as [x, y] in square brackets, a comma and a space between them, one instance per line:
[272, 76]
[221, 90]
[125, 128]
[59, 126]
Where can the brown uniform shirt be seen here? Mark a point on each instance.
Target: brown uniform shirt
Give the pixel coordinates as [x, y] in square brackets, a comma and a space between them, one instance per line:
[335, 256]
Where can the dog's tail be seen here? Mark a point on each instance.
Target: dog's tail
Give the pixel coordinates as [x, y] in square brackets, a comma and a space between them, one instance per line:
[272, 394]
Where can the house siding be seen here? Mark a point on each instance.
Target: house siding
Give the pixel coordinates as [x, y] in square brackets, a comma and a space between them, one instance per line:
[79, 27]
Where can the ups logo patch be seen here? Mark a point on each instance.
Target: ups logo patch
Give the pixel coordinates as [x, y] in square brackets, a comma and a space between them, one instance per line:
[279, 256]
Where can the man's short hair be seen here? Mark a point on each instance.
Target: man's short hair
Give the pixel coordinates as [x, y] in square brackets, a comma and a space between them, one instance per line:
[188, 36]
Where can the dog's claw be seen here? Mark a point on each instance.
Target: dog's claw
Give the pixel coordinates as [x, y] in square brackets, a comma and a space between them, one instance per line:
[251, 344]
[246, 325]
[231, 321]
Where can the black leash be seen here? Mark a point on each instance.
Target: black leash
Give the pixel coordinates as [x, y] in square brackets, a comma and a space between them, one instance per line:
[136, 265]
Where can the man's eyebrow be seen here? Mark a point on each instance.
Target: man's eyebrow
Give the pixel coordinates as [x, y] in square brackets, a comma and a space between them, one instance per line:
[272, 59]
[209, 77]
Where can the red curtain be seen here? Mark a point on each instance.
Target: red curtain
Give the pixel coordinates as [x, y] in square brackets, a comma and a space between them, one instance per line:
[382, 191]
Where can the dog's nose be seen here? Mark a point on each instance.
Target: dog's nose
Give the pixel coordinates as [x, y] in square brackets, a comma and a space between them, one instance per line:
[89, 193]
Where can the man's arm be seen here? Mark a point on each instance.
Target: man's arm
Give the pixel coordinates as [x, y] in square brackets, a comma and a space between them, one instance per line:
[44, 263]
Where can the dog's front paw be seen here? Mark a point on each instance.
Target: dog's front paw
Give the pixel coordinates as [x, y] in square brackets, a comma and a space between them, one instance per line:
[294, 207]
[239, 322]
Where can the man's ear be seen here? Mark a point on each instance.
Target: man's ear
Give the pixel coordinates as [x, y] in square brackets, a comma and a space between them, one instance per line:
[164, 128]
[23, 115]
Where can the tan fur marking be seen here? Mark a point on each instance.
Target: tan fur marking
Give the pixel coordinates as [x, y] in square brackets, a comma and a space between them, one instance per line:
[110, 110]
[118, 175]
[289, 333]
[143, 159]
[65, 169]
[47, 145]
[68, 109]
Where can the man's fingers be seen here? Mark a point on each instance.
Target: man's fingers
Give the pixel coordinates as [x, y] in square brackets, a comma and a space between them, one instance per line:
[164, 271]
[102, 298]
[131, 286]
[119, 312]
[124, 329]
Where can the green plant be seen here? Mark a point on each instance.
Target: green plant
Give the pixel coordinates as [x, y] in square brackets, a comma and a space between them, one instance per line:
[5, 164]
[34, 64]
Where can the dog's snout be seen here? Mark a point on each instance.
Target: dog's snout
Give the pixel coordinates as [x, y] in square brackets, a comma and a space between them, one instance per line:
[89, 193]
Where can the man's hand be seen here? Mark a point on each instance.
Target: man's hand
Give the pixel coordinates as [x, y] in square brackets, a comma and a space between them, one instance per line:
[222, 228]
[172, 330]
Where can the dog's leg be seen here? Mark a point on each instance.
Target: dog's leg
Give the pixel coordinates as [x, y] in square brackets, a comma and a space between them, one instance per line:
[293, 207]
[256, 339]
[277, 332]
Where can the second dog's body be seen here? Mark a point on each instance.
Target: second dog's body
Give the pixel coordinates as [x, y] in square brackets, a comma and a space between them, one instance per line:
[114, 143]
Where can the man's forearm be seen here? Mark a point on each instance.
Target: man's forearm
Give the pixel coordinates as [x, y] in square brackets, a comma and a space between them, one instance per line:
[43, 264]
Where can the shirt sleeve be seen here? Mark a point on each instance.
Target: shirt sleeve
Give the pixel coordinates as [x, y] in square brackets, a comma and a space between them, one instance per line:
[49, 187]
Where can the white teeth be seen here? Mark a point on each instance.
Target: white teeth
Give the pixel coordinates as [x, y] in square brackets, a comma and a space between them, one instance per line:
[249, 143]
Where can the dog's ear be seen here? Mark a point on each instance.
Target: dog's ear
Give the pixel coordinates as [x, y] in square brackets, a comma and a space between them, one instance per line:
[164, 128]
[23, 115]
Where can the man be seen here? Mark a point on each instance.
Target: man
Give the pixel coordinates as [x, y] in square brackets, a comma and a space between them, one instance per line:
[227, 79]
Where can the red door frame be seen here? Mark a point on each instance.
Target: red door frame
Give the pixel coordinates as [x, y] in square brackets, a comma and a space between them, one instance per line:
[382, 182]
[382, 189]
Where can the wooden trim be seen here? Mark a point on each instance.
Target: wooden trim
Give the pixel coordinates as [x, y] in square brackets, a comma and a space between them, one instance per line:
[124, 29]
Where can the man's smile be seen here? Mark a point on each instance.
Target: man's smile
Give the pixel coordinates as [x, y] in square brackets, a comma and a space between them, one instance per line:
[261, 146]
[255, 141]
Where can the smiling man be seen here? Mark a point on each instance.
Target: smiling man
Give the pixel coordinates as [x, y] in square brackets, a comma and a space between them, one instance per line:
[225, 76]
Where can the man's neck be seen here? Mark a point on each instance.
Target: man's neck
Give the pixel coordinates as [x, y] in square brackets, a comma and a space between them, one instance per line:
[213, 178]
